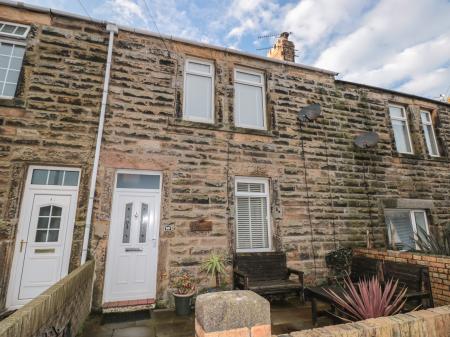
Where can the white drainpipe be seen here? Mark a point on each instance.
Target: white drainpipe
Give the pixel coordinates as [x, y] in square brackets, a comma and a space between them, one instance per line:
[112, 29]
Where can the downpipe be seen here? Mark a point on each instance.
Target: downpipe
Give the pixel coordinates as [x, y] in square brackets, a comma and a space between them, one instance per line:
[112, 29]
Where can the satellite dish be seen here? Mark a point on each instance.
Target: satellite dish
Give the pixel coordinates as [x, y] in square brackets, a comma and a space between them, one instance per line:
[366, 140]
[310, 112]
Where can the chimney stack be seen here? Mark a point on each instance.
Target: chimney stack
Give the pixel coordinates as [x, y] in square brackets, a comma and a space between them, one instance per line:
[283, 49]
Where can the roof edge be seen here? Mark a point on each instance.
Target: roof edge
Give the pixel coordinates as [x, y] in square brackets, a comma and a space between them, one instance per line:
[395, 92]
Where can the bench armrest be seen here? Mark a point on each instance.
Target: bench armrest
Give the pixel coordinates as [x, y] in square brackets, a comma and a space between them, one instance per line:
[240, 279]
[296, 272]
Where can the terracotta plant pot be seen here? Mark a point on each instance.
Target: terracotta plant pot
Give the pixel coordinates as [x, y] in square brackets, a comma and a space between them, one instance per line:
[183, 304]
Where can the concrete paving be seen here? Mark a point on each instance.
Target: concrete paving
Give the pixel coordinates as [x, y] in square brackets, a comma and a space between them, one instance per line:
[286, 316]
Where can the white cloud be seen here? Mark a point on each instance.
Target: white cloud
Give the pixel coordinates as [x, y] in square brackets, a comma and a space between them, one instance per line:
[397, 44]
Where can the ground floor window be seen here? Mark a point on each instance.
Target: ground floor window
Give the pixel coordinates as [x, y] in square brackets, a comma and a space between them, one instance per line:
[404, 225]
[252, 214]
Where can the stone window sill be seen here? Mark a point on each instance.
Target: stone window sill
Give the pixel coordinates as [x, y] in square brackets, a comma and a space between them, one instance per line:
[12, 102]
[219, 127]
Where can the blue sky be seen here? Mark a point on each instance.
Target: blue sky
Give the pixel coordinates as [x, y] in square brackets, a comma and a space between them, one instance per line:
[397, 44]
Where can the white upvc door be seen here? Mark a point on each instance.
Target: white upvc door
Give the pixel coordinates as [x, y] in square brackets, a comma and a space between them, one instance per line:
[131, 265]
[44, 236]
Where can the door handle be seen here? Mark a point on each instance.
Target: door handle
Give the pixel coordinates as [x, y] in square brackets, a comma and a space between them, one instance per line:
[22, 242]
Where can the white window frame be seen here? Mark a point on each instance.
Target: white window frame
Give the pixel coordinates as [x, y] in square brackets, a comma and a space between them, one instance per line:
[403, 119]
[23, 36]
[425, 130]
[263, 96]
[17, 43]
[266, 194]
[413, 222]
[197, 73]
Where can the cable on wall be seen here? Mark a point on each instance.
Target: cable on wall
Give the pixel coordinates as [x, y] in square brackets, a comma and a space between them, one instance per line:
[333, 223]
[308, 208]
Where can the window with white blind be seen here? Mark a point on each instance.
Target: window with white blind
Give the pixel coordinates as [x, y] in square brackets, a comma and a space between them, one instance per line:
[249, 102]
[199, 91]
[12, 50]
[399, 122]
[404, 225]
[252, 215]
[428, 130]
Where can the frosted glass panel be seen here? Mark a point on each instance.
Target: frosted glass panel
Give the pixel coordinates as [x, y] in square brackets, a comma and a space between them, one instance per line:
[396, 112]
[144, 223]
[249, 106]
[199, 67]
[241, 76]
[401, 136]
[139, 181]
[127, 223]
[198, 93]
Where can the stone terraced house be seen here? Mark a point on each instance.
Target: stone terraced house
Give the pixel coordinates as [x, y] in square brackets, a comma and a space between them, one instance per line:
[200, 150]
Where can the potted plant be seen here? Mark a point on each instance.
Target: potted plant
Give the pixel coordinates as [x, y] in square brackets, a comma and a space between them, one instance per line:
[215, 266]
[184, 289]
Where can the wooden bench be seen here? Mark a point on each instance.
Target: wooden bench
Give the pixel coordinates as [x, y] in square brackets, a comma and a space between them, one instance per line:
[266, 274]
[415, 277]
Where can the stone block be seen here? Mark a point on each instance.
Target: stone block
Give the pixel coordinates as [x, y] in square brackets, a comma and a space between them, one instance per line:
[239, 312]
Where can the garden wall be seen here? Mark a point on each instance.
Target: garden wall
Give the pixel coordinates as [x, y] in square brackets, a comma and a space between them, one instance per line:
[243, 313]
[59, 311]
[439, 267]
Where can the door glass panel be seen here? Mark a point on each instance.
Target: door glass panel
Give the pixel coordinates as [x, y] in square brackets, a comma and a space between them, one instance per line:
[139, 181]
[39, 177]
[52, 236]
[127, 223]
[41, 236]
[43, 222]
[48, 224]
[71, 178]
[55, 177]
[144, 223]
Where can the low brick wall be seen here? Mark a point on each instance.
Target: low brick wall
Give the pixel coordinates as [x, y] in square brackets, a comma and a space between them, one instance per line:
[439, 267]
[424, 323]
[64, 306]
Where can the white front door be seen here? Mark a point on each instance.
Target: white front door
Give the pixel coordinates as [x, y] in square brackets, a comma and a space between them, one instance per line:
[131, 265]
[44, 235]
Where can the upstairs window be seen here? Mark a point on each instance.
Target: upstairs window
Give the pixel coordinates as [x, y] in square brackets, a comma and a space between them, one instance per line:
[404, 226]
[12, 50]
[199, 91]
[249, 104]
[401, 129]
[428, 130]
[252, 215]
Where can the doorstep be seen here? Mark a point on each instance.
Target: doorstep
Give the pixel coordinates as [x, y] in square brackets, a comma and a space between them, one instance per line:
[128, 306]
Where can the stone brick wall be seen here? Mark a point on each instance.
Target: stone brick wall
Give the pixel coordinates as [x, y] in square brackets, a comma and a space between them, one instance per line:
[59, 311]
[324, 195]
[347, 188]
[53, 120]
[424, 323]
[439, 267]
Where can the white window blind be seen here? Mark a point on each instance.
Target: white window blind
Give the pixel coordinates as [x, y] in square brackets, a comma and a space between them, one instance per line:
[249, 102]
[252, 215]
[428, 130]
[199, 91]
[403, 225]
[401, 129]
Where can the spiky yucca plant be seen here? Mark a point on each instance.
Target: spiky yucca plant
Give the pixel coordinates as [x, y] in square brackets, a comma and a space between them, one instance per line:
[432, 244]
[215, 265]
[368, 299]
